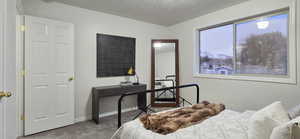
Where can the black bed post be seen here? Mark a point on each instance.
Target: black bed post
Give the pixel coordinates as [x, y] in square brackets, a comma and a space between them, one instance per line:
[197, 93]
[120, 111]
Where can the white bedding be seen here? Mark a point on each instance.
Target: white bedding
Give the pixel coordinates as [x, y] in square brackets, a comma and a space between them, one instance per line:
[226, 125]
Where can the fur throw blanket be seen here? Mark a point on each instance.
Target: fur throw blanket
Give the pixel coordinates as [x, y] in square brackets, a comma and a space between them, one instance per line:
[170, 121]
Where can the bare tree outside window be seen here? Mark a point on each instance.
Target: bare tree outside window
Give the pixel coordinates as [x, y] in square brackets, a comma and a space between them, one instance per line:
[263, 50]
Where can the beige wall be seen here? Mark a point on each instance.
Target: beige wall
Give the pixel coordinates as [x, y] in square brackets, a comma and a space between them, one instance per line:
[87, 24]
[236, 94]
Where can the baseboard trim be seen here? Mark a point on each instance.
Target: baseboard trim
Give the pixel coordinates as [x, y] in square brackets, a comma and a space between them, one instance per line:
[89, 117]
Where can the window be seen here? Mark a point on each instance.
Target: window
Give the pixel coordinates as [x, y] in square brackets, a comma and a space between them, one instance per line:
[261, 46]
[216, 50]
[252, 47]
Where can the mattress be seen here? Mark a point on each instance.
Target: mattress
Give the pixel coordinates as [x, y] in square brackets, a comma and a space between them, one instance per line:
[226, 125]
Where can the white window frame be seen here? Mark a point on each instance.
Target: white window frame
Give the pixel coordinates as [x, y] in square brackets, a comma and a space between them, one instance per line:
[290, 78]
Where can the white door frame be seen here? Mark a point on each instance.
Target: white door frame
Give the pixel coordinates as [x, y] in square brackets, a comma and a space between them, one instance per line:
[1, 67]
[20, 74]
[8, 69]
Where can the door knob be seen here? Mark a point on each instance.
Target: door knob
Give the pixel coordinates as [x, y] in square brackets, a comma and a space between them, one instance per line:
[71, 79]
[5, 94]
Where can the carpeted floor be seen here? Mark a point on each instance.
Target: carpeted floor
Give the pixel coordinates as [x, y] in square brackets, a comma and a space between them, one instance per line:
[85, 130]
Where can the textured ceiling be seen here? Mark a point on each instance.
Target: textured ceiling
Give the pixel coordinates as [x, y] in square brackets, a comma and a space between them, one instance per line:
[162, 12]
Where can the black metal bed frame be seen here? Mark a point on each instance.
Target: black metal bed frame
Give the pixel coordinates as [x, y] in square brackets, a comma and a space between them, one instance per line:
[151, 91]
[164, 91]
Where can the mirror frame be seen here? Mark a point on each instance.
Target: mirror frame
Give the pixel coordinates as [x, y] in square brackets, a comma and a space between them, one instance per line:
[153, 103]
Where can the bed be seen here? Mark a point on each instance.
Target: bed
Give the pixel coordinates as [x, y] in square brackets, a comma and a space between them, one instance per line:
[226, 125]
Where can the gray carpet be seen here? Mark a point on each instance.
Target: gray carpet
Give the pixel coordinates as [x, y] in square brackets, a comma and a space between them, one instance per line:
[85, 130]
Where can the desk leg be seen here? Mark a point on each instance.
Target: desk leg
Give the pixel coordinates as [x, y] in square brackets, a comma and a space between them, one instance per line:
[95, 109]
[142, 100]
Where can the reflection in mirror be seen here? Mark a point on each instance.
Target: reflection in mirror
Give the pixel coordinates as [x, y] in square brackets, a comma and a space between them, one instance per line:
[165, 72]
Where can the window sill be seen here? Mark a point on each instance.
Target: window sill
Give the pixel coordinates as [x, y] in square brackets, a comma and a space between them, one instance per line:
[283, 80]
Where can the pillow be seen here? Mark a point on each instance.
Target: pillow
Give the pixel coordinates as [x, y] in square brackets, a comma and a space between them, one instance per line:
[284, 131]
[274, 111]
[294, 112]
[262, 128]
[263, 121]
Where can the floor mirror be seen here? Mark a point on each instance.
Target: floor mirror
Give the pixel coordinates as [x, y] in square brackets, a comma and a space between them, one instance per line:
[164, 73]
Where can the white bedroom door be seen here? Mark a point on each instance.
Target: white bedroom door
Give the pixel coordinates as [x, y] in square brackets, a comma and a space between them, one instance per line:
[7, 75]
[49, 94]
